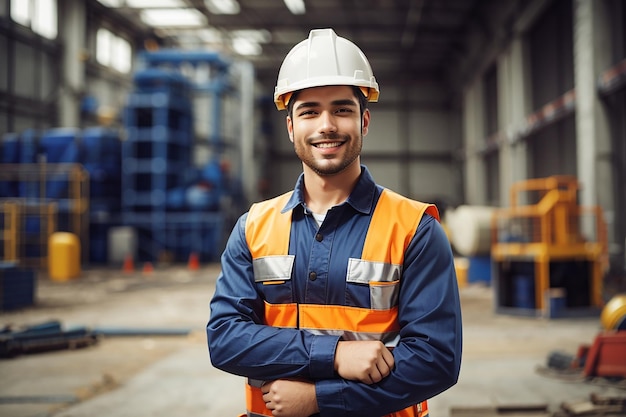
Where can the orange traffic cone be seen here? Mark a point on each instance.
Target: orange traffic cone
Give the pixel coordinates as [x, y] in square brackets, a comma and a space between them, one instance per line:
[147, 268]
[128, 266]
[193, 263]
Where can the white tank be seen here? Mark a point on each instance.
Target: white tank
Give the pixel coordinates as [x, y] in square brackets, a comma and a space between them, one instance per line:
[469, 228]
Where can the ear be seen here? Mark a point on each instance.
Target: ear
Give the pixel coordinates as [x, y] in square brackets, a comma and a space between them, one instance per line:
[365, 123]
[289, 128]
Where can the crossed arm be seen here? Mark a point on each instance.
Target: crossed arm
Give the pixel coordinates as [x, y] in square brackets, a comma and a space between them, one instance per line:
[365, 361]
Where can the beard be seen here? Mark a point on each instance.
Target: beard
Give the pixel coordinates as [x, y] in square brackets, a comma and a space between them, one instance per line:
[331, 164]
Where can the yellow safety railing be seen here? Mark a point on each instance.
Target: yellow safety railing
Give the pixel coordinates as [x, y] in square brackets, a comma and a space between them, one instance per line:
[28, 219]
[545, 223]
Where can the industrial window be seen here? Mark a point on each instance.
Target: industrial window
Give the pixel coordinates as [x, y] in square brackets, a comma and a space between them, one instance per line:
[113, 51]
[39, 15]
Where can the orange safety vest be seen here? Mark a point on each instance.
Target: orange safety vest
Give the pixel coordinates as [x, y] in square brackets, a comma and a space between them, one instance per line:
[389, 234]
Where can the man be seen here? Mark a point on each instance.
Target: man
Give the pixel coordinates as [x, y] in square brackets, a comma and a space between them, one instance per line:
[340, 297]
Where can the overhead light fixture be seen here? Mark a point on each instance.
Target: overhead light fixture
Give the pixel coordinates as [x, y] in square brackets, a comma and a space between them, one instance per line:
[173, 18]
[209, 35]
[155, 4]
[248, 42]
[259, 36]
[295, 6]
[109, 3]
[246, 47]
[143, 4]
[223, 6]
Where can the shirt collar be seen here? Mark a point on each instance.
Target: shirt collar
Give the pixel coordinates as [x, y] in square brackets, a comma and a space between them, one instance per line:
[361, 198]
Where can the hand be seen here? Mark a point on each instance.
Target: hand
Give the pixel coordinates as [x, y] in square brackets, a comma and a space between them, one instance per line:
[363, 360]
[290, 397]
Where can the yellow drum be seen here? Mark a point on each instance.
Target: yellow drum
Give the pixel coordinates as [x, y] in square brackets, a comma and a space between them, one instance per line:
[63, 256]
[613, 316]
[461, 266]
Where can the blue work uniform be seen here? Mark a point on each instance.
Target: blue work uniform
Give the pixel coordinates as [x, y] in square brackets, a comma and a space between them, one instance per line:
[426, 346]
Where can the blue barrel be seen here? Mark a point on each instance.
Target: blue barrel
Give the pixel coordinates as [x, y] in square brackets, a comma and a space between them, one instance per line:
[479, 269]
[10, 149]
[29, 146]
[524, 291]
[556, 299]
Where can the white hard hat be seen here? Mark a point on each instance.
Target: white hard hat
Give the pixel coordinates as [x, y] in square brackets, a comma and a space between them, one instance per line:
[324, 59]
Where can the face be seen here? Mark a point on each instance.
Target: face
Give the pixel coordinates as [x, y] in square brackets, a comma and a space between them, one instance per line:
[326, 128]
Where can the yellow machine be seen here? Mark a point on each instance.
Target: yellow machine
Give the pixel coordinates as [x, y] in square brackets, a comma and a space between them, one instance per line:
[544, 246]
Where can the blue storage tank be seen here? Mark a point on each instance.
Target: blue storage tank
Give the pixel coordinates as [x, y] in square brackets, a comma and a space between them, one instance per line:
[60, 145]
[29, 146]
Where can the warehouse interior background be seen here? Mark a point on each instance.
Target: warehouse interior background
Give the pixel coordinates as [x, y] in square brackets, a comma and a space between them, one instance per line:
[135, 132]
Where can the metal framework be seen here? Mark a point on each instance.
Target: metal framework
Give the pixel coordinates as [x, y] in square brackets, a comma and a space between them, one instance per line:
[28, 219]
[545, 226]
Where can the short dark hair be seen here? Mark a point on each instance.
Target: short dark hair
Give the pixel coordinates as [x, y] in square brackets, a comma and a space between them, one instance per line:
[357, 93]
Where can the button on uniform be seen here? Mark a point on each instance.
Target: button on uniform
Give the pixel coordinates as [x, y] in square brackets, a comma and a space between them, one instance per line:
[312, 276]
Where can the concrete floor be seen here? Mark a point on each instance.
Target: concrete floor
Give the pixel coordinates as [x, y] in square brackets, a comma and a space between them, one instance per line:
[154, 375]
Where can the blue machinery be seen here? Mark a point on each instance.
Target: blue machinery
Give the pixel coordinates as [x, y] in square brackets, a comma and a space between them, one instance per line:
[147, 177]
[175, 208]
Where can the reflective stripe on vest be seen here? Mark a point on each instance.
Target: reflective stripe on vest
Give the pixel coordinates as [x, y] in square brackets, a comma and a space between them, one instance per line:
[267, 236]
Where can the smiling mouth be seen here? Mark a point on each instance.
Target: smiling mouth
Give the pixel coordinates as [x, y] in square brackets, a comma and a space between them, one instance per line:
[326, 145]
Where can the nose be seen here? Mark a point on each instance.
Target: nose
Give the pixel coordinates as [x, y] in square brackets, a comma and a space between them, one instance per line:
[327, 123]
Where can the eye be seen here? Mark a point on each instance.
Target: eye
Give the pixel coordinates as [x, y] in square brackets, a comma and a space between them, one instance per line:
[344, 110]
[307, 113]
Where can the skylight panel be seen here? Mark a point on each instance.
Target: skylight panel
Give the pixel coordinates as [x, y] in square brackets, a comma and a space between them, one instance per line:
[223, 6]
[173, 17]
[295, 6]
[155, 4]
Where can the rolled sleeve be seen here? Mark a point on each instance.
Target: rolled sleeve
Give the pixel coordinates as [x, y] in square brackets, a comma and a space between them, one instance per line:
[323, 357]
